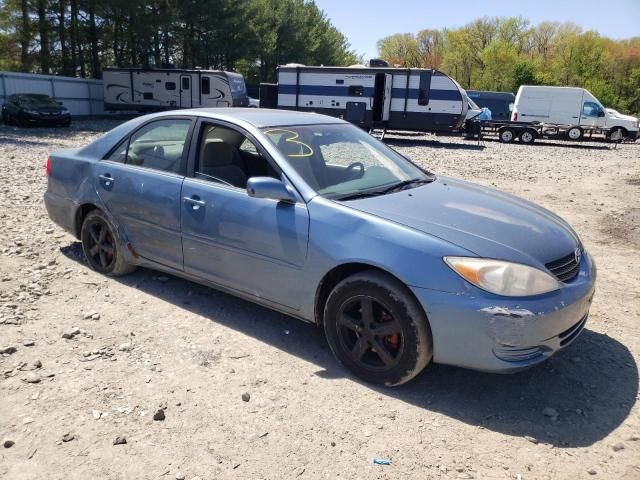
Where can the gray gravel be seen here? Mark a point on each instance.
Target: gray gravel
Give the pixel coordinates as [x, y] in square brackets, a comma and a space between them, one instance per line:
[448, 423]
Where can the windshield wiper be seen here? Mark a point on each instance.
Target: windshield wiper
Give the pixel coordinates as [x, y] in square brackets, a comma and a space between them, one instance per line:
[393, 188]
[354, 196]
[406, 183]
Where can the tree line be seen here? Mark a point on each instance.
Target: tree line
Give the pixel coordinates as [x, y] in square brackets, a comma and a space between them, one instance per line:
[82, 37]
[500, 54]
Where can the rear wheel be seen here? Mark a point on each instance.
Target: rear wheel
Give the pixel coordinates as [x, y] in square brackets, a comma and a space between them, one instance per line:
[575, 133]
[101, 247]
[528, 136]
[377, 329]
[506, 135]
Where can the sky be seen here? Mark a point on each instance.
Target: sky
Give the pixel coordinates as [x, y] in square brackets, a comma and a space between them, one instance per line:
[365, 22]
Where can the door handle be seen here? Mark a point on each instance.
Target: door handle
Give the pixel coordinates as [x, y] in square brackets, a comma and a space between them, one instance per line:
[107, 179]
[195, 202]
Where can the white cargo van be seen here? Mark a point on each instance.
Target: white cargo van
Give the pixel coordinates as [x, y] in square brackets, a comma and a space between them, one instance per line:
[576, 108]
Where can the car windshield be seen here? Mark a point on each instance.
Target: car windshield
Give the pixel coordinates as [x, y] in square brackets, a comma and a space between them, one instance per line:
[33, 100]
[343, 162]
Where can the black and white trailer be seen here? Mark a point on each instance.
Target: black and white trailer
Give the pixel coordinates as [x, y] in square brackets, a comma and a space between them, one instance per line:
[372, 97]
[170, 88]
[527, 132]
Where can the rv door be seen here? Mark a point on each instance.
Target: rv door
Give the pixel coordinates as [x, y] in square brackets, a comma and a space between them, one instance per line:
[386, 107]
[186, 99]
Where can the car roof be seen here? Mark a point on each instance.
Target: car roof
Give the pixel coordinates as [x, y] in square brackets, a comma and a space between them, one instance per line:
[260, 117]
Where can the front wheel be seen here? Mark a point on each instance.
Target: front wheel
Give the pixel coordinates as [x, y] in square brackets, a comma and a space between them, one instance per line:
[617, 134]
[101, 247]
[377, 329]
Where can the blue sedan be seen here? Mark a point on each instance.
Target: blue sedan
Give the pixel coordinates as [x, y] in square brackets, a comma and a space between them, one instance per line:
[311, 216]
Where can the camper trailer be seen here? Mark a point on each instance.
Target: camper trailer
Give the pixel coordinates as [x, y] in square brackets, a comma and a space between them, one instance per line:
[164, 89]
[500, 103]
[394, 98]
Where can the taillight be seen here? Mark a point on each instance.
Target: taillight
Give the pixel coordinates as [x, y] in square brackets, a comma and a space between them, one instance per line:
[515, 116]
[48, 167]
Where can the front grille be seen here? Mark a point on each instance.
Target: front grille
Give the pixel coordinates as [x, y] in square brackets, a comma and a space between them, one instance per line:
[566, 268]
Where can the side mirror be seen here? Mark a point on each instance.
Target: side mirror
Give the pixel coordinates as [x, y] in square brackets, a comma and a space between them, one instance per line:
[267, 187]
[601, 113]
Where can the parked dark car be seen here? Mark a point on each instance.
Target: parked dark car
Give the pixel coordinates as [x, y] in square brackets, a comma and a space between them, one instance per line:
[34, 109]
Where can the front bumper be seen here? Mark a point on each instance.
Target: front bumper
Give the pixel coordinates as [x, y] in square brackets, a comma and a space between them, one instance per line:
[487, 332]
[46, 119]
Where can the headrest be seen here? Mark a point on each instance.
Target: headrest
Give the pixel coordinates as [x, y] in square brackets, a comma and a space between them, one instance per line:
[218, 154]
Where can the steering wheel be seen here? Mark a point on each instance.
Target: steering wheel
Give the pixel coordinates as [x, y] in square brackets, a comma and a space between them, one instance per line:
[350, 172]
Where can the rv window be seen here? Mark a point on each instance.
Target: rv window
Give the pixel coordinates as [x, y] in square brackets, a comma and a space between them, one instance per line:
[170, 85]
[356, 90]
[205, 88]
[147, 95]
[425, 86]
[185, 83]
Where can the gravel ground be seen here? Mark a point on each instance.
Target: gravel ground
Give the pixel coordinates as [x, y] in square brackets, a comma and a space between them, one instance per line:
[148, 342]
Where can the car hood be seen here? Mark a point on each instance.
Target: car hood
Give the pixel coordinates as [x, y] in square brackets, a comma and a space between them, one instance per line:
[620, 116]
[44, 108]
[487, 222]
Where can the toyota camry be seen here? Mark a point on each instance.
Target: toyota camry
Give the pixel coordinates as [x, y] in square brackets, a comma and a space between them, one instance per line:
[313, 217]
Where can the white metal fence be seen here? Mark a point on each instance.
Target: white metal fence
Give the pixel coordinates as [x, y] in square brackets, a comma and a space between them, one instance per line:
[82, 96]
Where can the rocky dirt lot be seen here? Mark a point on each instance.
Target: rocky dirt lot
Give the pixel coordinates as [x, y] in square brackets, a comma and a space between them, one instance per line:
[249, 393]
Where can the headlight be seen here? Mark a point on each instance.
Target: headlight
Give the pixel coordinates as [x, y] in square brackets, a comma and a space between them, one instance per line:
[33, 112]
[503, 278]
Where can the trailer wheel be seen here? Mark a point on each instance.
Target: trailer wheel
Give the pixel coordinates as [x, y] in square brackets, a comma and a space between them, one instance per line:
[528, 136]
[575, 133]
[506, 135]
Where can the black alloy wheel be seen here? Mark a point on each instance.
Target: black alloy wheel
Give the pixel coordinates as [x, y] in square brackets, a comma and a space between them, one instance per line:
[369, 333]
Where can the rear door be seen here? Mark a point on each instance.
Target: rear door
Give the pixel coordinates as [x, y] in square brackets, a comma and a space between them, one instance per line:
[140, 183]
[253, 245]
[186, 91]
[386, 106]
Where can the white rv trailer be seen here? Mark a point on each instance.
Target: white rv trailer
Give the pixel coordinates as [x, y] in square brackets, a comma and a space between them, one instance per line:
[394, 98]
[170, 88]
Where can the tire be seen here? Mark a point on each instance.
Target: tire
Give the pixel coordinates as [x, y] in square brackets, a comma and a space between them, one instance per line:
[617, 134]
[575, 133]
[101, 246]
[388, 358]
[528, 136]
[506, 135]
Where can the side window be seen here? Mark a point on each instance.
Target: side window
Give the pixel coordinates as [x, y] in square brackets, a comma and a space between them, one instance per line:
[205, 88]
[227, 156]
[170, 85]
[591, 109]
[185, 83]
[424, 88]
[119, 154]
[356, 90]
[159, 145]
[147, 95]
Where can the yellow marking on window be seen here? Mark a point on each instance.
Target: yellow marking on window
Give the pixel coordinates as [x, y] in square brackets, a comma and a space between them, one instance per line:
[293, 139]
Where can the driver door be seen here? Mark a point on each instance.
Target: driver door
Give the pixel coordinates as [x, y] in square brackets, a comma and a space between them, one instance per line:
[592, 115]
[256, 246]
